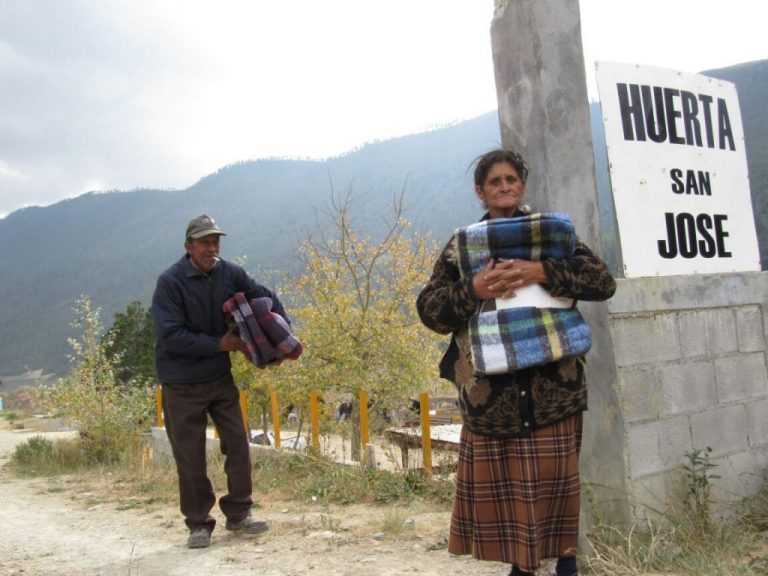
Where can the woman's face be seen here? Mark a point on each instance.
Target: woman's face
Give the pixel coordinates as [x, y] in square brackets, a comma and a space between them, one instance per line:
[503, 190]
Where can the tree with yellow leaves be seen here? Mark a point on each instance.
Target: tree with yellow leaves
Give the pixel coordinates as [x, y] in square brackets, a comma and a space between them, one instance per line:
[109, 416]
[353, 308]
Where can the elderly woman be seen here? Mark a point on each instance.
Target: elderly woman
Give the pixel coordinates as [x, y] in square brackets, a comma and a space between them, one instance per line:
[517, 484]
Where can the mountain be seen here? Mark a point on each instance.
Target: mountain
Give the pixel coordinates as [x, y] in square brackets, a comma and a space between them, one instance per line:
[111, 246]
[751, 81]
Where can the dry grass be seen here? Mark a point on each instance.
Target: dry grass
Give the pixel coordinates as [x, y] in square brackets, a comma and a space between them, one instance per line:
[685, 542]
[680, 545]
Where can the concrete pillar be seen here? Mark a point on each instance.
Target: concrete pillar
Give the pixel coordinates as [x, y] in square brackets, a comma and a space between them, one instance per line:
[544, 114]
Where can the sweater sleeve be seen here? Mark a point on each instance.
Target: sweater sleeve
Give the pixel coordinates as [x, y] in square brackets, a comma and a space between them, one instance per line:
[447, 302]
[583, 276]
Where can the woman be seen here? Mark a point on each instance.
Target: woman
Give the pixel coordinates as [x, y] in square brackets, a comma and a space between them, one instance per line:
[517, 484]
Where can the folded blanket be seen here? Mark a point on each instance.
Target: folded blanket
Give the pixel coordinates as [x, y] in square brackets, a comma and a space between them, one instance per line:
[515, 338]
[508, 339]
[530, 237]
[266, 334]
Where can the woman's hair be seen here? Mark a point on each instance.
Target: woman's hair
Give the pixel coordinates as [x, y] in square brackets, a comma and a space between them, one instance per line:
[483, 164]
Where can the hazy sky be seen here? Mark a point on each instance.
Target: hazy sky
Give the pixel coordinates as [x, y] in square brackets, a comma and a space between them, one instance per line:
[123, 94]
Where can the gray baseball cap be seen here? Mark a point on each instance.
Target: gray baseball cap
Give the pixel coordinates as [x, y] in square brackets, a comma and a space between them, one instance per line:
[201, 226]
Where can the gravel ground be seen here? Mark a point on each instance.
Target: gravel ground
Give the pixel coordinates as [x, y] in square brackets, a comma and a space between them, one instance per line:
[57, 526]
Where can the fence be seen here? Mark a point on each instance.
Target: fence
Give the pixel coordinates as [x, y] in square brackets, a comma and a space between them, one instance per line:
[404, 440]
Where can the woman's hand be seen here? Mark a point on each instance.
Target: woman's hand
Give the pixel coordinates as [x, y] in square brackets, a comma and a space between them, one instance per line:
[500, 278]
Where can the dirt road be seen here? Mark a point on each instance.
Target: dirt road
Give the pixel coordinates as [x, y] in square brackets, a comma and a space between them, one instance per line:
[50, 527]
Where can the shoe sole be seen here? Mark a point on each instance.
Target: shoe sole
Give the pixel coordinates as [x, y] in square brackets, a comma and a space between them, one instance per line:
[252, 530]
[198, 543]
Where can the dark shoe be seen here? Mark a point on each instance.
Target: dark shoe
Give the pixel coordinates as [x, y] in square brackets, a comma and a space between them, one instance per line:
[199, 538]
[517, 572]
[566, 566]
[248, 525]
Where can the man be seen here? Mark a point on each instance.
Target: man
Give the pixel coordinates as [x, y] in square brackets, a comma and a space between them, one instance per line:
[192, 355]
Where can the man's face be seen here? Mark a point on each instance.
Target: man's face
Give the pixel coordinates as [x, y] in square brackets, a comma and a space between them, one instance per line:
[203, 252]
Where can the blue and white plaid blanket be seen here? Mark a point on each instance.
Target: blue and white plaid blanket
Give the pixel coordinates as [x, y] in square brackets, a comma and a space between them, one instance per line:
[530, 237]
[509, 339]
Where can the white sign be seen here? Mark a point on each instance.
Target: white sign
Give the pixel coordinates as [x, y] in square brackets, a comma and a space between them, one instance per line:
[678, 172]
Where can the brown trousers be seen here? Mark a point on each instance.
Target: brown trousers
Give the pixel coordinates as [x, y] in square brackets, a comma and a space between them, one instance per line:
[186, 408]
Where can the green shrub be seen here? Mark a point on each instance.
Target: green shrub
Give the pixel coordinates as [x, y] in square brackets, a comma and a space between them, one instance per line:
[33, 452]
[38, 456]
[11, 415]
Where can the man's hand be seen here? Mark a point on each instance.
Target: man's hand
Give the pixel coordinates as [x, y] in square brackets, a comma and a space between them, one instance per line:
[230, 342]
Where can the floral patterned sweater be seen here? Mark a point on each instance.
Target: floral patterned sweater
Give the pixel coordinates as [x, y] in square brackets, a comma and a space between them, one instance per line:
[517, 403]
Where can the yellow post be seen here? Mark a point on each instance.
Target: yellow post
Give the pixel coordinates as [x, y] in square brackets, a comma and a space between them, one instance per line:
[159, 407]
[314, 420]
[426, 434]
[275, 416]
[146, 456]
[244, 410]
[363, 424]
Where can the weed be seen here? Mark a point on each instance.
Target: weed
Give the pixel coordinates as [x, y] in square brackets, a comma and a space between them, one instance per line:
[395, 524]
[328, 522]
[754, 513]
[699, 476]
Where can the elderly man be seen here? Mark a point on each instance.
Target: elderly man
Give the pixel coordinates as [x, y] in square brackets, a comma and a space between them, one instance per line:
[192, 355]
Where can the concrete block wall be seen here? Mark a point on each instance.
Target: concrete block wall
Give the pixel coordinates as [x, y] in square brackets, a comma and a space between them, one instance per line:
[161, 446]
[690, 358]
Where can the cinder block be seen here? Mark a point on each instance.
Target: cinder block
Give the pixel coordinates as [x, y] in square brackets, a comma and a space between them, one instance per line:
[655, 496]
[645, 339]
[686, 388]
[161, 447]
[741, 377]
[658, 446]
[749, 329]
[757, 422]
[693, 333]
[740, 476]
[721, 330]
[640, 393]
[722, 429]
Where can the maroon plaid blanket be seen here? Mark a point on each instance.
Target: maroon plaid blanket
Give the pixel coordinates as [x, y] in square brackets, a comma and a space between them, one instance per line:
[267, 335]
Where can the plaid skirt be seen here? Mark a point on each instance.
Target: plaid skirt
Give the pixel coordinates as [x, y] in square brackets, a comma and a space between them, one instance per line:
[517, 499]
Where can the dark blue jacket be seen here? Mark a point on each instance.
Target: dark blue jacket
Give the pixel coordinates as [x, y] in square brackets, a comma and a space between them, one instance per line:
[189, 321]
